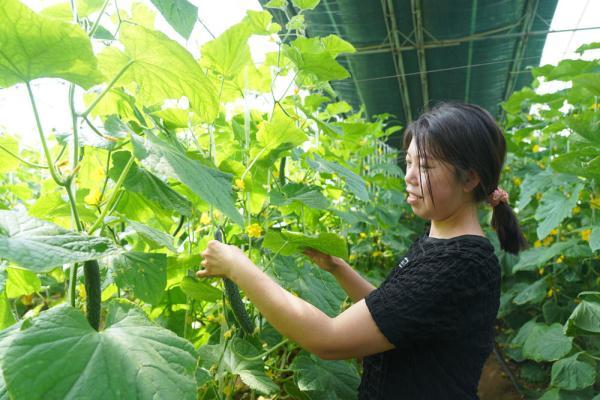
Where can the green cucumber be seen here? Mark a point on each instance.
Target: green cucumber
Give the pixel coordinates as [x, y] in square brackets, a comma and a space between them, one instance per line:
[93, 292]
[235, 300]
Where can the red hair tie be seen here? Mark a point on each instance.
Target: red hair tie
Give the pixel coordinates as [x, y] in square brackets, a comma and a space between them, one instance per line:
[498, 196]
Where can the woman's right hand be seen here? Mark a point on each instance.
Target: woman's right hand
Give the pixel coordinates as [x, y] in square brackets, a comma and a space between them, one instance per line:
[325, 261]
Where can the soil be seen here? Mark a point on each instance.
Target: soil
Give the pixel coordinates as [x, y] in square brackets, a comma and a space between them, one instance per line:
[494, 383]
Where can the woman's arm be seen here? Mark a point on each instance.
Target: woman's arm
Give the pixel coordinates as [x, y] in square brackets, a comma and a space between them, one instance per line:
[313, 330]
[351, 281]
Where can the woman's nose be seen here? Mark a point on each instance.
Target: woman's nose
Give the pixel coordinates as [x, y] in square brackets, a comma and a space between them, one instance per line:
[411, 176]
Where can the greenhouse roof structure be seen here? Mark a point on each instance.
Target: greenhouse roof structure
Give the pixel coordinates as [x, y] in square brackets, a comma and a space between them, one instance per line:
[411, 54]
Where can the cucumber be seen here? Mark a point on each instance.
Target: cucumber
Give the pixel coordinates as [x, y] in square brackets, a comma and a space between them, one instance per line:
[235, 300]
[93, 292]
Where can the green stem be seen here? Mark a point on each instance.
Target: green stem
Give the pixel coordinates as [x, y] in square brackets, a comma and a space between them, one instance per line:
[73, 284]
[272, 349]
[97, 23]
[74, 211]
[53, 172]
[112, 198]
[107, 89]
[22, 160]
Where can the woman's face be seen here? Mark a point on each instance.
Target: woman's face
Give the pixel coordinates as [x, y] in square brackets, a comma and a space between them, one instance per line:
[448, 192]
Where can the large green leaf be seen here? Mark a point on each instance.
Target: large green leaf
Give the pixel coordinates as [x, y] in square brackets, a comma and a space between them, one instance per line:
[235, 359]
[555, 206]
[212, 185]
[572, 374]
[305, 4]
[32, 46]
[63, 10]
[60, 356]
[586, 124]
[354, 182]
[21, 282]
[311, 283]
[581, 162]
[154, 237]
[310, 196]
[229, 53]
[41, 246]
[162, 69]
[144, 273]
[534, 257]
[275, 137]
[325, 379]
[180, 14]
[534, 293]
[585, 319]
[313, 59]
[53, 207]
[546, 343]
[288, 243]
[200, 290]
[8, 163]
[6, 319]
[149, 185]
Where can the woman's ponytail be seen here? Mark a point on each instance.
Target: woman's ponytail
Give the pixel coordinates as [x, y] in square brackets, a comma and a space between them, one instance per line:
[506, 225]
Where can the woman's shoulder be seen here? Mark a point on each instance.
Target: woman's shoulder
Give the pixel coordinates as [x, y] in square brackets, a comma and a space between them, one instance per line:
[466, 252]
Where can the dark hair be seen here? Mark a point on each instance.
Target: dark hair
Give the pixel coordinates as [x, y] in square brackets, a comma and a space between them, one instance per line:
[467, 137]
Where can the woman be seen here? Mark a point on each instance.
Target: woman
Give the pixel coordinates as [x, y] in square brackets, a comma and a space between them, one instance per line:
[427, 330]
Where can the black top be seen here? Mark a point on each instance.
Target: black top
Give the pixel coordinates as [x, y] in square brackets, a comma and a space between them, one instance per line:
[438, 307]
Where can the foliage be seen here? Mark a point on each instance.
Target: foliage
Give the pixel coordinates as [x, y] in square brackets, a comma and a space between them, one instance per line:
[550, 306]
[109, 222]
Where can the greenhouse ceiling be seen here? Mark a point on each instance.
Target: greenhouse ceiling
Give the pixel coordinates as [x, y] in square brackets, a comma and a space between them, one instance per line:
[412, 54]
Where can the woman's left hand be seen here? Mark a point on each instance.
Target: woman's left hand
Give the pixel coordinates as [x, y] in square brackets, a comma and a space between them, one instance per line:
[219, 259]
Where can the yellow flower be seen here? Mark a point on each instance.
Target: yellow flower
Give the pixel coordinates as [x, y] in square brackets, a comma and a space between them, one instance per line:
[541, 271]
[560, 259]
[529, 117]
[211, 318]
[205, 219]
[536, 149]
[239, 183]
[585, 234]
[27, 300]
[93, 198]
[362, 235]
[554, 232]
[227, 390]
[538, 243]
[352, 257]
[517, 181]
[550, 292]
[217, 214]
[377, 253]
[228, 334]
[254, 230]
[576, 210]
[548, 240]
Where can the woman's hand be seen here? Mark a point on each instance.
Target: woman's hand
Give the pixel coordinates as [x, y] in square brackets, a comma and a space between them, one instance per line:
[325, 261]
[220, 259]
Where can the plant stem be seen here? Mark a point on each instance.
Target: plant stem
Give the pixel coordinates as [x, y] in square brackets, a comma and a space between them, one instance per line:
[113, 195]
[107, 89]
[53, 172]
[22, 160]
[73, 283]
[97, 23]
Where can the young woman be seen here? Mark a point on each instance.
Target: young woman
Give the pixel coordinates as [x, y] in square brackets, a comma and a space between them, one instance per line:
[426, 331]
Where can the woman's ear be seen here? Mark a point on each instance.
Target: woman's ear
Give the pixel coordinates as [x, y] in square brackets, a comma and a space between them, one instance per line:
[471, 181]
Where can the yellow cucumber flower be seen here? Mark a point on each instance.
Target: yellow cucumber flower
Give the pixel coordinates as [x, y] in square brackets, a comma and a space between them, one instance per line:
[254, 230]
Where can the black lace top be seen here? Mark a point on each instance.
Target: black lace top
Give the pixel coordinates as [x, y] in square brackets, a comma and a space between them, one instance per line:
[438, 307]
